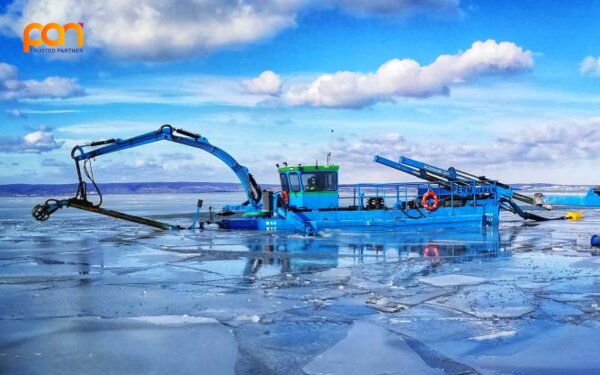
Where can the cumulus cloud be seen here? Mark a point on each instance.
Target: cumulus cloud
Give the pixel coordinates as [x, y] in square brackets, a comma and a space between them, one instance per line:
[541, 143]
[590, 66]
[12, 88]
[159, 30]
[406, 78]
[576, 140]
[156, 30]
[36, 142]
[145, 169]
[267, 83]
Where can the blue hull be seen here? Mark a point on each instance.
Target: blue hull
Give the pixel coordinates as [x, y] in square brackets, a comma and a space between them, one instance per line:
[591, 199]
[471, 217]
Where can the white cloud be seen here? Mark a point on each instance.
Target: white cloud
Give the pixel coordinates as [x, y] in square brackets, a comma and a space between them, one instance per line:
[49, 111]
[267, 83]
[159, 30]
[406, 78]
[36, 142]
[162, 30]
[590, 66]
[147, 167]
[12, 88]
[536, 144]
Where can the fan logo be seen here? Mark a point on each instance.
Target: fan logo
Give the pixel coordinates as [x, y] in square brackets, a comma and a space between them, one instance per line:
[54, 39]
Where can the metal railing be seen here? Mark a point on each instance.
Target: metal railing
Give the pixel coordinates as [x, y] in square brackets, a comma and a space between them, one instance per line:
[402, 193]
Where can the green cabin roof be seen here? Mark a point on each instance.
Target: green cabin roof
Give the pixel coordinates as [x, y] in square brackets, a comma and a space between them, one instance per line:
[333, 168]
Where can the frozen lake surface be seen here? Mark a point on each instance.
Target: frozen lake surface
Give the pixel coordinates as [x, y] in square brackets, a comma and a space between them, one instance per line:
[89, 294]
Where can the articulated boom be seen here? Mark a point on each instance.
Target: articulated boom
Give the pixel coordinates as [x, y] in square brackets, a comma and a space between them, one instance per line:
[460, 182]
[449, 177]
[166, 133]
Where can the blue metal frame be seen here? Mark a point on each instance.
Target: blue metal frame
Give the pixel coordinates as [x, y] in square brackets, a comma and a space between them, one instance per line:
[590, 199]
[166, 133]
[474, 210]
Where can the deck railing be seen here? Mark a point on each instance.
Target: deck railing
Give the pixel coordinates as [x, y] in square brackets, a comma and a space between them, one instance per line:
[402, 193]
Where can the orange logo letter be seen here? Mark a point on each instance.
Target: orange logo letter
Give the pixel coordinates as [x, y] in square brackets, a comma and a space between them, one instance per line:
[61, 35]
[27, 40]
[77, 27]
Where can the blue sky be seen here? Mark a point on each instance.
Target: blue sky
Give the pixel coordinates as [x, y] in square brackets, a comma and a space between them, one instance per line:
[507, 89]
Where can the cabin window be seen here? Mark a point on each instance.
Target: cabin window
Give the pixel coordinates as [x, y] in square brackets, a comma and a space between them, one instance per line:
[295, 182]
[319, 181]
[284, 182]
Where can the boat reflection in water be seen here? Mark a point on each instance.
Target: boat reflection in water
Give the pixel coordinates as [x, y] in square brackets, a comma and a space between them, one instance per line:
[293, 254]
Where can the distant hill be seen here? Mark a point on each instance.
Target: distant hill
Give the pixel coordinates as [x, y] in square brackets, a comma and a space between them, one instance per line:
[15, 190]
[554, 188]
[33, 190]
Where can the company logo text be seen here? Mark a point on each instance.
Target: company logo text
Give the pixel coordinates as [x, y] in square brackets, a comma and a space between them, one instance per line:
[45, 39]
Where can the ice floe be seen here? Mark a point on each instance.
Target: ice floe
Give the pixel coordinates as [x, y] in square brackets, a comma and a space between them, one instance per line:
[453, 280]
[370, 349]
[494, 335]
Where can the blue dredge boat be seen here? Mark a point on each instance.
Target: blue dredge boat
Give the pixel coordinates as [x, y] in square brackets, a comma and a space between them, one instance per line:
[310, 197]
[590, 199]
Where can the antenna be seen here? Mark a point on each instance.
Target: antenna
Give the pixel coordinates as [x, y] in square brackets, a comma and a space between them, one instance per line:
[330, 147]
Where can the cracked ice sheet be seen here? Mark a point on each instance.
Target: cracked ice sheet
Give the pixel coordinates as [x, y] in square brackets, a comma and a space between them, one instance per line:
[146, 344]
[284, 322]
[453, 280]
[489, 301]
[370, 349]
[546, 349]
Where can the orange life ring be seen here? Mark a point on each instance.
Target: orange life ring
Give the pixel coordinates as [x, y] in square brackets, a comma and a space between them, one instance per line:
[429, 249]
[286, 197]
[430, 194]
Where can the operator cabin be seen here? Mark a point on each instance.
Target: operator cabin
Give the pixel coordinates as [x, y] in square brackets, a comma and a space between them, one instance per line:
[310, 187]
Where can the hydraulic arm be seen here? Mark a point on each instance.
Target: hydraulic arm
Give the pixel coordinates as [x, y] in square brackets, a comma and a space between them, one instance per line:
[165, 133]
[448, 176]
[453, 177]
[82, 154]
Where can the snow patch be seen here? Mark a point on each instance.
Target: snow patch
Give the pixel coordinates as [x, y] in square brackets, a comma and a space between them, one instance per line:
[335, 274]
[248, 318]
[453, 280]
[495, 335]
[175, 320]
[532, 285]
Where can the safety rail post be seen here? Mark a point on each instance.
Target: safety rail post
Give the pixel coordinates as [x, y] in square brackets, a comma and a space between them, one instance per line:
[360, 199]
[474, 195]
[428, 188]
[452, 196]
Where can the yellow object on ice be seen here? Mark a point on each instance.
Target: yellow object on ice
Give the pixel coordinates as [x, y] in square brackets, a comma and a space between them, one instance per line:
[574, 215]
